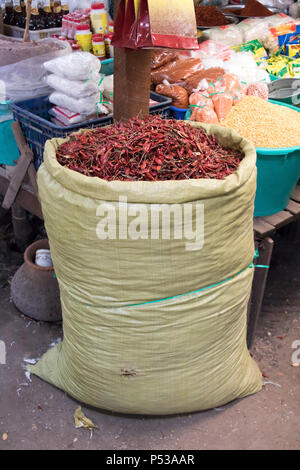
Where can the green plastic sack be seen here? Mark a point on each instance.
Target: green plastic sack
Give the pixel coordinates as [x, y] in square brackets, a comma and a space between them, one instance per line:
[150, 326]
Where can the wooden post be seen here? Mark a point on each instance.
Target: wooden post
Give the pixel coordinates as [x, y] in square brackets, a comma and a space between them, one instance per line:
[131, 80]
[258, 288]
[23, 232]
[24, 165]
[26, 37]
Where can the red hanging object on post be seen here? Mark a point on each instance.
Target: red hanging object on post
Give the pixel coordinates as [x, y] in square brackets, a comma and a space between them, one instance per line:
[148, 24]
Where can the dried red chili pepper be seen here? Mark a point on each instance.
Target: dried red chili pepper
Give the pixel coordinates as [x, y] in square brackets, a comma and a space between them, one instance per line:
[150, 149]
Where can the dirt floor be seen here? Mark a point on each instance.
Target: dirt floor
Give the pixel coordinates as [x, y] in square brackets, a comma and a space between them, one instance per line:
[35, 415]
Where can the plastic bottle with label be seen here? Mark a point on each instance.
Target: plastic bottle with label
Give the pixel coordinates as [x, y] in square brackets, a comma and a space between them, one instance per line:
[84, 37]
[108, 47]
[64, 8]
[56, 8]
[98, 46]
[8, 12]
[99, 18]
[17, 15]
[36, 21]
[111, 27]
[48, 17]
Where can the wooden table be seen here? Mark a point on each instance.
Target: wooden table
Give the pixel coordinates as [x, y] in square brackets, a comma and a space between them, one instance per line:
[26, 197]
[264, 229]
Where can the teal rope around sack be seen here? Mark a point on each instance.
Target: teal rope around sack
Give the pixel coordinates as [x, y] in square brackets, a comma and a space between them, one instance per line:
[251, 265]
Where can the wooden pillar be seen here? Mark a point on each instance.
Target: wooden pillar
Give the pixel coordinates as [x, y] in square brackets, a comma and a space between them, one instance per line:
[258, 288]
[131, 80]
[23, 232]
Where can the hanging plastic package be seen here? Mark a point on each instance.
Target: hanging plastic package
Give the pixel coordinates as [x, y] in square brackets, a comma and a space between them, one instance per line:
[152, 325]
[150, 24]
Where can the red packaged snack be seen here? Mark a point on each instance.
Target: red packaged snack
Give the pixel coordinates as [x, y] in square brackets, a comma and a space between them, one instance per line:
[162, 57]
[180, 97]
[222, 104]
[176, 71]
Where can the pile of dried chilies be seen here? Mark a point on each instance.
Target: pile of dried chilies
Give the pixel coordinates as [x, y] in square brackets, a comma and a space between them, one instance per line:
[150, 149]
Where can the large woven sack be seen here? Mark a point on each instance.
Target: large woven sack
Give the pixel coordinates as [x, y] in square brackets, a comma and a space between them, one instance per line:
[151, 326]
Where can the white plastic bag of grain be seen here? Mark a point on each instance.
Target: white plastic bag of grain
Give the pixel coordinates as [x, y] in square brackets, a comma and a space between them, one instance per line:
[75, 66]
[76, 88]
[87, 105]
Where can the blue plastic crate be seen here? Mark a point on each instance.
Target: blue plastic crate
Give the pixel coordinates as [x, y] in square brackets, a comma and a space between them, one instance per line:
[178, 113]
[37, 127]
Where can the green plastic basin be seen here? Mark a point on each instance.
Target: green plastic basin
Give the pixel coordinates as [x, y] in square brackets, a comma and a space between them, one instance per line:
[278, 171]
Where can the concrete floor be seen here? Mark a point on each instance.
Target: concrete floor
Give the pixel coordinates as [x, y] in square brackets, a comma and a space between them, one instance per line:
[35, 415]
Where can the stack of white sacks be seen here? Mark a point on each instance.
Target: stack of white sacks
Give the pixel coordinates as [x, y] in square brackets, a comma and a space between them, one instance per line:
[78, 88]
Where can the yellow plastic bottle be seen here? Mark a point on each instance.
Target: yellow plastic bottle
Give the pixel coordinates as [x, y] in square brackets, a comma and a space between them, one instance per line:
[99, 18]
[84, 37]
[98, 45]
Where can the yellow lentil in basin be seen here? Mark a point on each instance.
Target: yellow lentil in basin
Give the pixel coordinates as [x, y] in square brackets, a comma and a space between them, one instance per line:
[265, 124]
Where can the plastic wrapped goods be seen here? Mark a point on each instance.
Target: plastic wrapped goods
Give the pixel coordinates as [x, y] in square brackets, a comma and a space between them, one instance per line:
[210, 49]
[201, 99]
[258, 89]
[278, 19]
[176, 71]
[271, 40]
[254, 46]
[75, 88]
[222, 104]
[239, 94]
[227, 35]
[245, 67]
[219, 96]
[75, 66]
[179, 95]
[193, 83]
[25, 79]
[254, 28]
[230, 82]
[13, 50]
[162, 57]
[205, 114]
[86, 105]
[64, 117]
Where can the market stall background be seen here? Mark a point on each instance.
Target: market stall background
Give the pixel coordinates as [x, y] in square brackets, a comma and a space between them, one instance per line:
[209, 84]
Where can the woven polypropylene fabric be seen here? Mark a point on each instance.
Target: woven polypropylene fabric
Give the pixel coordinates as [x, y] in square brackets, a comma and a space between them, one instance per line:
[150, 326]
